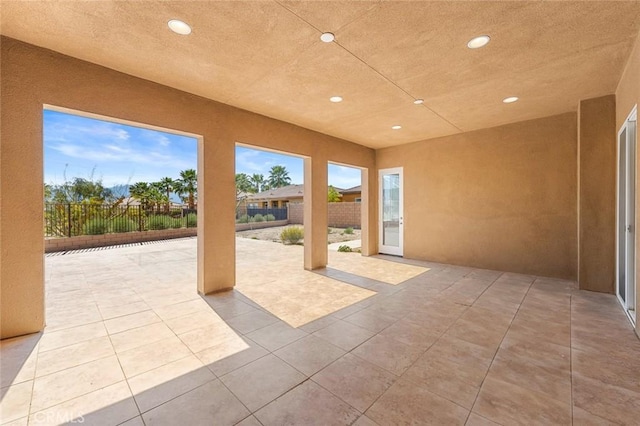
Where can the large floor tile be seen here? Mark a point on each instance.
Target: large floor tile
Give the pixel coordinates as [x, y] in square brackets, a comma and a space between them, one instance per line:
[506, 403]
[231, 355]
[388, 353]
[355, 381]
[104, 407]
[344, 335]
[15, 401]
[73, 355]
[67, 384]
[276, 335]
[459, 383]
[211, 403]
[307, 404]
[144, 358]
[261, 381]
[406, 402]
[162, 384]
[309, 354]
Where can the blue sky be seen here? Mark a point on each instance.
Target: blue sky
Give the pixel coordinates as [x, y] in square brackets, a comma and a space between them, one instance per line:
[122, 154]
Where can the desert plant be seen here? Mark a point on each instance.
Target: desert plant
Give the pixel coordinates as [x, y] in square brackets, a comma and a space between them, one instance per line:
[95, 227]
[192, 220]
[258, 218]
[291, 235]
[348, 231]
[158, 222]
[243, 219]
[345, 249]
[269, 217]
[123, 224]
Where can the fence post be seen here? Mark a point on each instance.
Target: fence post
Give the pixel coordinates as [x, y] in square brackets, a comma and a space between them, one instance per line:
[69, 218]
[140, 218]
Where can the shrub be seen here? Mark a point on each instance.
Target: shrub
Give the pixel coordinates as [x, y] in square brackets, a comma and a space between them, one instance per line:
[269, 218]
[329, 230]
[95, 227]
[258, 218]
[348, 231]
[291, 235]
[251, 219]
[243, 219]
[192, 220]
[345, 249]
[123, 224]
[158, 222]
[177, 222]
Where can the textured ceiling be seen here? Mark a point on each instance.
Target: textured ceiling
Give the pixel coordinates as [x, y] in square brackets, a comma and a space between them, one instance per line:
[266, 57]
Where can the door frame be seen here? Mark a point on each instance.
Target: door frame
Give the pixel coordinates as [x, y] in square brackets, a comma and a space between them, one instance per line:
[396, 251]
[630, 290]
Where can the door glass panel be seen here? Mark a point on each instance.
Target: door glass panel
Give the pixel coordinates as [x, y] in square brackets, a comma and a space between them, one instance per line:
[622, 216]
[391, 210]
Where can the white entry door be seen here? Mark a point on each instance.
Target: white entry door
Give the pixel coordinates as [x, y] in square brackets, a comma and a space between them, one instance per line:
[390, 214]
[626, 240]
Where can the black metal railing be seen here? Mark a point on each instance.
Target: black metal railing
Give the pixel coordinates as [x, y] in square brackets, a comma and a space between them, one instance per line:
[75, 219]
[252, 214]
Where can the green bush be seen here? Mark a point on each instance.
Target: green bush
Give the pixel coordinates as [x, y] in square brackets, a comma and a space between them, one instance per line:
[269, 218]
[292, 235]
[348, 231]
[192, 220]
[243, 219]
[123, 224]
[345, 249]
[177, 222]
[258, 218]
[95, 227]
[158, 222]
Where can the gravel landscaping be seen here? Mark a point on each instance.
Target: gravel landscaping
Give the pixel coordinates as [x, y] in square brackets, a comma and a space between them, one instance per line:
[337, 235]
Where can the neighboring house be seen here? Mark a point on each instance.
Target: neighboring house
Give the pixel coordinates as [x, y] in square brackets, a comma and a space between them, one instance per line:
[291, 194]
[276, 198]
[351, 195]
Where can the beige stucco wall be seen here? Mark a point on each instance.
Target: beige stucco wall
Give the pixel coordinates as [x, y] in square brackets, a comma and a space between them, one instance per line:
[501, 198]
[597, 193]
[628, 95]
[33, 77]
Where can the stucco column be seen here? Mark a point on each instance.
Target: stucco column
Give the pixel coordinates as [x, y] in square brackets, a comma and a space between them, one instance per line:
[21, 205]
[315, 212]
[216, 214]
[597, 194]
[369, 212]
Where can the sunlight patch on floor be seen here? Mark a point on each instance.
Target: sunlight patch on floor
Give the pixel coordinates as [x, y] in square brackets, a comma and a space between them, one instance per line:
[374, 268]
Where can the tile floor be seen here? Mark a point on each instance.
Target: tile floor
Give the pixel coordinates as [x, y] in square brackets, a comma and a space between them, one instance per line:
[366, 341]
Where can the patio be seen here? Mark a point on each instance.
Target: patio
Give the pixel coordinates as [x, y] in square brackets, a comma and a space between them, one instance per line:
[366, 341]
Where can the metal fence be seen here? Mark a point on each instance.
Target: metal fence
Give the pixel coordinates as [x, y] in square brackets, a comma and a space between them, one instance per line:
[70, 220]
[248, 214]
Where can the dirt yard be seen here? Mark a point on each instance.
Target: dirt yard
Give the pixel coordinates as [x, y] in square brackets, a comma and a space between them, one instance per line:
[337, 235]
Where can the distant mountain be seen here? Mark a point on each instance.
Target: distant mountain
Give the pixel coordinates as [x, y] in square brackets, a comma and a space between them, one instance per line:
[120, 190]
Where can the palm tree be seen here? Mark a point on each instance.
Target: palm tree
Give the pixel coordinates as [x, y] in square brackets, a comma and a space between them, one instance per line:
[166, 185]
[188, 184]
[278, 177]
[141, 192]
[257, 180]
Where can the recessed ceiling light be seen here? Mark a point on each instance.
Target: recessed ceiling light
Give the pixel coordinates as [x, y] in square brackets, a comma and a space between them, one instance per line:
[396, 127]
[327, 37]
[478, 42]
[510, 99]
[335, 99]
[179, 27]
[418, 101]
